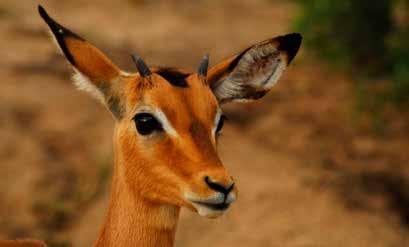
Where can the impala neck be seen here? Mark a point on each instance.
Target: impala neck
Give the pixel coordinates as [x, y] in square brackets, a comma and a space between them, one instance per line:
[134, 221]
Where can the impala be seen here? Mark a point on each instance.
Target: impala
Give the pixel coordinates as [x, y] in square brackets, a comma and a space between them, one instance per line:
[167, 122]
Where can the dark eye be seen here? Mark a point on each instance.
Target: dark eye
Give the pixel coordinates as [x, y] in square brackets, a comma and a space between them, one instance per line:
[220, 124]
[146, 123]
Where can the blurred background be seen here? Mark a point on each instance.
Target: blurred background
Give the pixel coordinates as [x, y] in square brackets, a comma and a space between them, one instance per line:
[320, 161]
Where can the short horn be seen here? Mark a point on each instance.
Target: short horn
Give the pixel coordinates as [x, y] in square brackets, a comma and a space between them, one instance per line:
[204, 64]
[143, 69]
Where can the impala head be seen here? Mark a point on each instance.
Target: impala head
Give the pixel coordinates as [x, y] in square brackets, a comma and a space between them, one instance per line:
[168, 120]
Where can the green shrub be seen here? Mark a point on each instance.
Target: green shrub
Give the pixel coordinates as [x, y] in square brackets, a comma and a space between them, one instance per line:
[368, 38]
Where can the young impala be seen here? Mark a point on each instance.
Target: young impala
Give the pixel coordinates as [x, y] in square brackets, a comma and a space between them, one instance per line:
[166, 126]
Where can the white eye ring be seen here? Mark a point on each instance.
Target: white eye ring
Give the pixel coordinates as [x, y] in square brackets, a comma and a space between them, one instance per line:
[217, 119]
[161, 117]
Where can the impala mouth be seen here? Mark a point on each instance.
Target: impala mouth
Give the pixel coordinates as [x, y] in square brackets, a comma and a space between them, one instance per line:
[213, 206]
[218, 206]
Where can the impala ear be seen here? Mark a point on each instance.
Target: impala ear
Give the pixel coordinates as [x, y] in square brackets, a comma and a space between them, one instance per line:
[94, 72]
[252, 73]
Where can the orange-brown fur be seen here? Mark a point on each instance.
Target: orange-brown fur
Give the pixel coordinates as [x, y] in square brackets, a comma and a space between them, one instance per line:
[152, 174]
[149, 181]
[91, 61]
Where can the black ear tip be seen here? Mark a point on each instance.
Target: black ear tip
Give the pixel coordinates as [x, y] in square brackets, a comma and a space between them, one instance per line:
[46, 17]
[43, 13]
[290, 43]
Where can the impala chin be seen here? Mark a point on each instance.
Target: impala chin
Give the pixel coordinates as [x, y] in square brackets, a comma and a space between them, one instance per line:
[212, 206]
[208, 211]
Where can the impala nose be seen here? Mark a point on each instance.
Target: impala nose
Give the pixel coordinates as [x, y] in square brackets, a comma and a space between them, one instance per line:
[219, 187]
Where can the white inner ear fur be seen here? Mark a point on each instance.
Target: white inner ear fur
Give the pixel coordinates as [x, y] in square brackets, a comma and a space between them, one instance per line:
[258, 70]
[83, 83]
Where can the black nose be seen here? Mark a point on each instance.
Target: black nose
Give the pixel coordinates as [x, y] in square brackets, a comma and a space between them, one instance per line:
[219, 187]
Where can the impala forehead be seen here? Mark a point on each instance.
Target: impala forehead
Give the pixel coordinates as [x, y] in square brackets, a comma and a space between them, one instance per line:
[183, 107]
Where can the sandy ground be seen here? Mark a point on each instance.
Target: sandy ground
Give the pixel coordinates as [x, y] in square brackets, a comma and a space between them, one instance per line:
[310, 171]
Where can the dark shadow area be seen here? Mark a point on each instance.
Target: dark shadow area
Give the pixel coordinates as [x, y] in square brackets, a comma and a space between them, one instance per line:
[378, 191]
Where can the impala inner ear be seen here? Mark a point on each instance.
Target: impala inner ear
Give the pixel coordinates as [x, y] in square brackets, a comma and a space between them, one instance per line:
[252, 73]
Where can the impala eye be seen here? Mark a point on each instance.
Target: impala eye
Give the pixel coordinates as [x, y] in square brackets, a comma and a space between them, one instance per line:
[220, 124]
[146, 123]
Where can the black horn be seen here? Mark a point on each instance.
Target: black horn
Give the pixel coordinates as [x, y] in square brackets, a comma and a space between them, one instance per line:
[204, 64]
[143, 69]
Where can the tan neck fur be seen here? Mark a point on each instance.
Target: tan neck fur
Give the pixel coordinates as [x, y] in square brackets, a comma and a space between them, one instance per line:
[134, 221]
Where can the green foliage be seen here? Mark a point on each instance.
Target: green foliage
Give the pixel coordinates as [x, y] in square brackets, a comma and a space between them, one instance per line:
[368, 38]
[400, 71]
